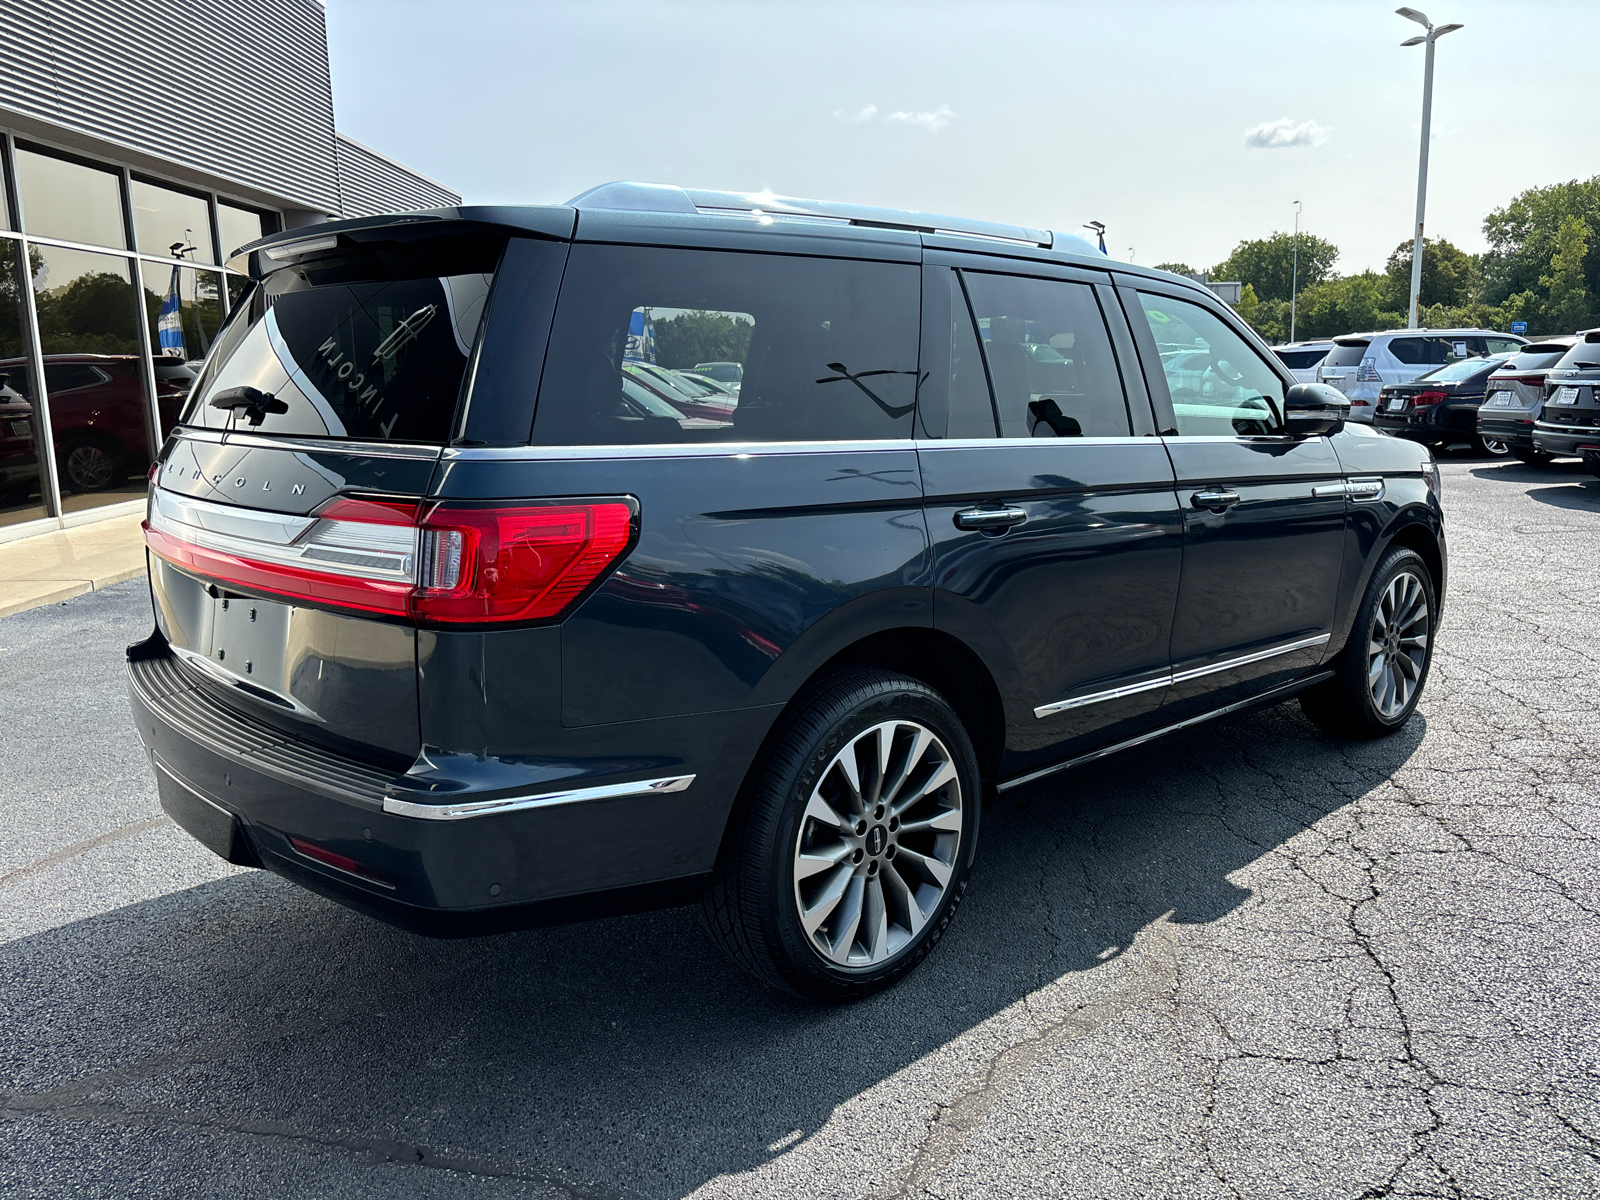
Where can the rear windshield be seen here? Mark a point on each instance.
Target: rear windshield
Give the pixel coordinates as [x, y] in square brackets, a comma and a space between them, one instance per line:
[1346, 354]
[370, 347]
[1299, 360]
[1536, 358]
[1583, 355]
[1466, 368]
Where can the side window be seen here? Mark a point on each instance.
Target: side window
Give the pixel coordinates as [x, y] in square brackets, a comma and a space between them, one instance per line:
[971, 406]
[1219, 386]
[1494, 345]
[1049, 357]
[666, 346]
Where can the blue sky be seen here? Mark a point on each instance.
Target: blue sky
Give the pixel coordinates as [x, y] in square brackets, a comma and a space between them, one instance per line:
[1183, 126]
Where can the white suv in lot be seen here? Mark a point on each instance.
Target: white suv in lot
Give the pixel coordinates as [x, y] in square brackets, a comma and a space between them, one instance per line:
[1360, 364]
[1302, 358]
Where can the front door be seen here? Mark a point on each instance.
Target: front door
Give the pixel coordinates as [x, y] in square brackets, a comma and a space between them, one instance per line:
[1056, 536]
[1263, 513]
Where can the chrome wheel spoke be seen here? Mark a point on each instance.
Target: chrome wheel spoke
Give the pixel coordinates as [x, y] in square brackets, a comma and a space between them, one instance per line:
[1397, 644]
[877, 843]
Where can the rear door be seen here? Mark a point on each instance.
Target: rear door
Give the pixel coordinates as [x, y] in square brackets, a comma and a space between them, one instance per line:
[1056, 536]
[1263, 513]
[282, 520]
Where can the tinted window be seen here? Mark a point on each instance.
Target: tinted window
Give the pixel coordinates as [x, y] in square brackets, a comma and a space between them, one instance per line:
[68, 377]
[1584, 354]
[1536, 358]
[1346, 354]
[971, 405]
[1049, 357]
[826, 349]
[70, 201]
[1299, 360]
[1219, 385]
[1434, 351]
[1465, 368]
[361, 348]
[1497, 345]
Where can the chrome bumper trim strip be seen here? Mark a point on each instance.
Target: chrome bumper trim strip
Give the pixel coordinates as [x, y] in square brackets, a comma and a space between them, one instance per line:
[507, 804]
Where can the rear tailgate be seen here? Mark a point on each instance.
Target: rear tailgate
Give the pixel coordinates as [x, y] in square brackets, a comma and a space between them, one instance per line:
[283, 524]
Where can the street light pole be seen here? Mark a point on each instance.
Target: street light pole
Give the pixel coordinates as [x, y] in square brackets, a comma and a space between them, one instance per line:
[1294, 276]
[1428, 40]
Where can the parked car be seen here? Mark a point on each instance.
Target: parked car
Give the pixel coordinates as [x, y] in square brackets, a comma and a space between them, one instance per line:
[1441, 407]
[98, 419]
[729, 374]
[1569, 422]
[1302, 358]
[690, 395]
[1515, 393]
[471, 657]
[1362, 364]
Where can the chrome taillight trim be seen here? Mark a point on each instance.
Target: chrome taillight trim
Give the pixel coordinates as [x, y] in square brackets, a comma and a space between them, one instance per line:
[509, 804]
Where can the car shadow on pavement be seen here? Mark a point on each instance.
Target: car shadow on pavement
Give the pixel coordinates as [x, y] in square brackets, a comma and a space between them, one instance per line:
[624, 1056]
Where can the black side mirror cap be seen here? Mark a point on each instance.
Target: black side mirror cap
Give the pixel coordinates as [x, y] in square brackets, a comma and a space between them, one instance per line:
[1313, 409]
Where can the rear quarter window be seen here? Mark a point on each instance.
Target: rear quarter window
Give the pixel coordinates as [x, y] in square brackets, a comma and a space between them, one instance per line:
[1299, 360]
[825, 349]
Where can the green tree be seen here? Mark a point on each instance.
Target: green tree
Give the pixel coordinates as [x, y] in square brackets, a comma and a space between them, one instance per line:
[699, 336]
[94, 314]
[1350, 304]
[1522, 237]
[1267, 264]
[1177, 268]
[1568, 301]
[1449, 275]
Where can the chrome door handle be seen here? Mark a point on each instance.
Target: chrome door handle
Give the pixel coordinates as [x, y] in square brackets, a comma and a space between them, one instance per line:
[986, 519]
[1216, 501]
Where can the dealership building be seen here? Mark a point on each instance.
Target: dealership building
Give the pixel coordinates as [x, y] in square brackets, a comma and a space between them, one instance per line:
[142, 143]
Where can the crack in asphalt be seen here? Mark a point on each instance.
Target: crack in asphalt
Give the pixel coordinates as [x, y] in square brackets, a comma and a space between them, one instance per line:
[17, 874]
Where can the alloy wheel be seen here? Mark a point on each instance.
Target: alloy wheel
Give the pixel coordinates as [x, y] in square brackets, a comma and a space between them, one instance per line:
[1495, 447]
[878, 843]
[89, 467]
[1397, 644]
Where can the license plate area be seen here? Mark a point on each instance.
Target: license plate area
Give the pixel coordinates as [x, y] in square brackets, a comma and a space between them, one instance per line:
[1565, 395]
[1396, 404]
[1502, 400]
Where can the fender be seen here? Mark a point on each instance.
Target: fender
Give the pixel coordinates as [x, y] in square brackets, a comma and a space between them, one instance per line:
[1370, 530]
[876, 612]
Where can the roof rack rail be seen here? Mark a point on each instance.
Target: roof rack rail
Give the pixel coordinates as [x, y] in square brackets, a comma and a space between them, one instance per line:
[658, 197]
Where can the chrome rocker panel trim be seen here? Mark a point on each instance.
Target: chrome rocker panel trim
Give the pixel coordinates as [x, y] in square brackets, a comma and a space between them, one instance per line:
[1170, 678]
[1268, 697]
[508, 804]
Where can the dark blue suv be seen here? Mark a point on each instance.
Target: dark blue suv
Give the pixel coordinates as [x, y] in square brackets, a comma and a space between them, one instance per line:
[479, 605]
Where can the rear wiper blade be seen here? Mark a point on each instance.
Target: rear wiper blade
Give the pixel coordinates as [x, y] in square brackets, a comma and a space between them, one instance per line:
[254, 403]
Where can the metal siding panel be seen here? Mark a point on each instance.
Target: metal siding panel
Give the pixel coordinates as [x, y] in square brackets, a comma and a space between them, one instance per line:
[100, 68]
[372, 185]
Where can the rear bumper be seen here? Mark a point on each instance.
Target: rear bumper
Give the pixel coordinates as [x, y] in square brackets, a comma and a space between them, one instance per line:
[1515, 430]
[1435, 425]
[1565, 440]
[259, 797]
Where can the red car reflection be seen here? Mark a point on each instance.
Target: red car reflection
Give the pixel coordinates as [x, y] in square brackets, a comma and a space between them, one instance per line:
[97, 418]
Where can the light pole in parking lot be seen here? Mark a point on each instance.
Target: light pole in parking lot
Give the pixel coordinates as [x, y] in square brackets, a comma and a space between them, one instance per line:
[1294, 272]
[1428, 40]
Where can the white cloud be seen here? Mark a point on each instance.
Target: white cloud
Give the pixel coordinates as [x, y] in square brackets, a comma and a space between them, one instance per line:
[1282, 133]
[931, 121]
[869, 113]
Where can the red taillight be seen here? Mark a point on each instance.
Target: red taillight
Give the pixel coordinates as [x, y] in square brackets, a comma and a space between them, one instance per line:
[515, 564]
[1423, 399]
[1529, 380]
[339, 862]
[450, 564]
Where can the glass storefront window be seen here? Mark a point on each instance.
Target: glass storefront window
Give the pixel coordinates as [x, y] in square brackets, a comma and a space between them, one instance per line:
[21, 486]
[68, 200]
[240, 227]
[238, 288]
[93, 374]
[5, 199]
[168, 222]
[184, 315]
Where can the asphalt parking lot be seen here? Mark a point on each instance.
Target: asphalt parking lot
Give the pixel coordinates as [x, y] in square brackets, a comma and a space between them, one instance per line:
[1246, 962]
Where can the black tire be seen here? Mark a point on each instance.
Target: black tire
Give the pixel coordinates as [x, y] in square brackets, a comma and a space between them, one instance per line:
[1346, 705]
[1492, 447]
[754, 901]
[1534, 458]
[90, 465]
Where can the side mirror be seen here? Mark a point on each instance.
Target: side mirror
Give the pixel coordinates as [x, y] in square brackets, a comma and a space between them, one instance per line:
[1313, 409]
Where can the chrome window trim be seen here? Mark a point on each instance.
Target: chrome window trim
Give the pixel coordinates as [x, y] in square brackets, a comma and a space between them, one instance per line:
[1176, 677]
[509, 804]
[1548, 427]
[668, 450]
[234, 437]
